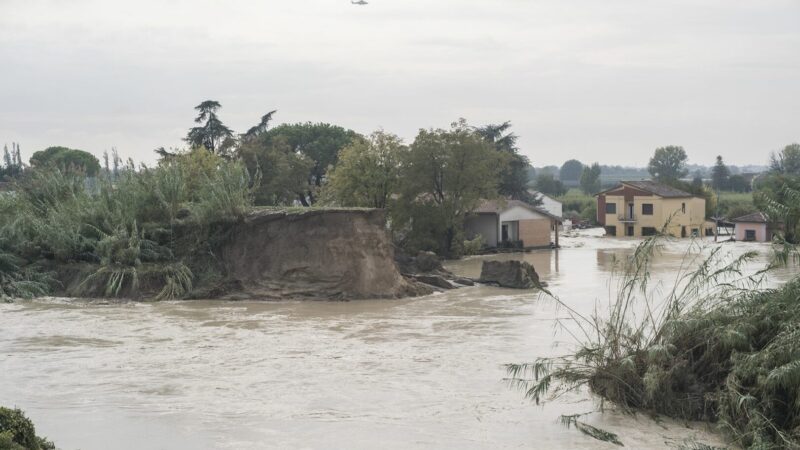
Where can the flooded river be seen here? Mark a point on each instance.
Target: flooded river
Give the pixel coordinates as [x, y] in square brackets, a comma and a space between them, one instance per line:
[423, 372]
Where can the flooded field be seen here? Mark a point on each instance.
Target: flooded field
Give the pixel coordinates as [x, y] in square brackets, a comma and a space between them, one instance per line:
[423, 372]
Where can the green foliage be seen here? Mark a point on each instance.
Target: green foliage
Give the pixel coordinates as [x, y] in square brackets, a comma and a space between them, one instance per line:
[716, 348]
[368, 172]
[474, 246]
[779, 197]
[590, 179]
[445, 176]
[514, 175]
[11, 166]
[67, 160]
[571, 171]
[17, 281]
[18, 433]
[144, 234]
[578, 205]
[668, 164]
[787, 161]
[318, 144]
[720, 175]
[284, 171]
[733, 205]
[212, 133]
[546, 183]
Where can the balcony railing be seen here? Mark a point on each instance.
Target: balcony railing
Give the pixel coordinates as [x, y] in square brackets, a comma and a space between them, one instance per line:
[627, 218]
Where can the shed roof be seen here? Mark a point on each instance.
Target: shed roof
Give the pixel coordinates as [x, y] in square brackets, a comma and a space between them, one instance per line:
[756, 217]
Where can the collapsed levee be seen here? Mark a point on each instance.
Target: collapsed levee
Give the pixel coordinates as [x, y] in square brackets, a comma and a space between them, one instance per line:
[312, 253]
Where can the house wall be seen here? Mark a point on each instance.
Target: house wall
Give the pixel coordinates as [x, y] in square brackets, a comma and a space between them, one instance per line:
[694, 218]
[552, 206]
[486, 225]
[664, 210]
[535, 232]
[760, 229]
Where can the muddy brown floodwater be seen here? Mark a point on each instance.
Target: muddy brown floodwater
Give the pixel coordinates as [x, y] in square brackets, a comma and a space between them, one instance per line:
[424, 372]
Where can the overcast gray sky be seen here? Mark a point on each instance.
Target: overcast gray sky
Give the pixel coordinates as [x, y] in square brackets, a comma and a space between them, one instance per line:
[604, 81]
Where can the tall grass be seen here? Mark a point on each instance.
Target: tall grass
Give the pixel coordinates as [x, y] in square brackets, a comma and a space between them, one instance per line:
[143, 232]
[714, 345]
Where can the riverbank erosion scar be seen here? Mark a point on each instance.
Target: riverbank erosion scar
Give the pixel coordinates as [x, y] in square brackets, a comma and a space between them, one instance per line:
[315, 254]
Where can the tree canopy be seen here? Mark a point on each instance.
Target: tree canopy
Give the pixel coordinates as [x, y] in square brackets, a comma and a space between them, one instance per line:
[445, 176]
[67, 160]
[571, 171]
[590, 179]
[546, 183]
[668, 164]
[720, 175]
[211, 133]
[368, 172]
[514, 175]
[317, 143]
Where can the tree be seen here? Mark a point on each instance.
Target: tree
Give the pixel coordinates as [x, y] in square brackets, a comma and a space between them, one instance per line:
[514, 176]
[319, 143]
[7, 158]
[546, 183]
[738, 183]
[787, 161]
[212, 134]
[720, 175]
[368, 172]
[571, 171]
[590, 179]
[262, 126]
[67, 160]
[445, 175]
[697, 180]
[668, 164]
[284, 172]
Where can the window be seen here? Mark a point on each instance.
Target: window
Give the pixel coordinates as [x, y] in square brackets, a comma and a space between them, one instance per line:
[629, 231]
[611, 230]
[647, 209]
[649, 231]
[683, 208]
[611, 208]
[749, 235]
[695, 232]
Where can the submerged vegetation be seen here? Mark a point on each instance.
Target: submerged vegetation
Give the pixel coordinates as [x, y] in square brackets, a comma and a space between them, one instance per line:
[718, 348]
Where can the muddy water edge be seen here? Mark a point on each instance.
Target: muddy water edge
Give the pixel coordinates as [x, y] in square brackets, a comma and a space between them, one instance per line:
[424, 372]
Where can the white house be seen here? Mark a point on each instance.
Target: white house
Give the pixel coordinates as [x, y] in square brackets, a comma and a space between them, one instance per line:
[512, 221]
[549, 204]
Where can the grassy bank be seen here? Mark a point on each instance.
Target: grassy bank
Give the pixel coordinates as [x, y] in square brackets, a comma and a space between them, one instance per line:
[149, 232]
[716, 348]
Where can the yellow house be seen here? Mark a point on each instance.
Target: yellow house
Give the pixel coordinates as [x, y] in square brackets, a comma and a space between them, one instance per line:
[642, 208]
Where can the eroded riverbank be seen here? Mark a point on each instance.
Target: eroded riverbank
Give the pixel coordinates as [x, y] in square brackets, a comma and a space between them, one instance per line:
[423, 372]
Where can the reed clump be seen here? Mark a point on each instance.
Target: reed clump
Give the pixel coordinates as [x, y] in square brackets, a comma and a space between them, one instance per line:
[139, 232]
[713, 346]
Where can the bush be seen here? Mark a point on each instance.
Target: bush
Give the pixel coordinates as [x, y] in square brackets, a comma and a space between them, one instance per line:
[474, 246]
[144, 232]
[718, 349]
[18, 433]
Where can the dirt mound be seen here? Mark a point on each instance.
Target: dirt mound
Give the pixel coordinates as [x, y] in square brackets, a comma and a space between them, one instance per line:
[316, 254]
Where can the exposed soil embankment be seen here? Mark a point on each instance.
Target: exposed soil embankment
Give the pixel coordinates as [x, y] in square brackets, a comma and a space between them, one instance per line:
[319, 254]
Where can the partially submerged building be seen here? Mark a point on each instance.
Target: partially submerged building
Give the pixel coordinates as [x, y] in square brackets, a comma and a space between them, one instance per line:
[643, 208]
[512, 223]
[753, 227]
